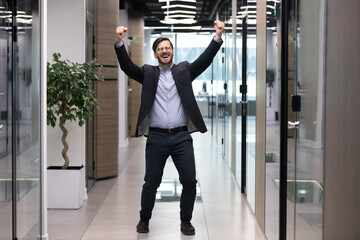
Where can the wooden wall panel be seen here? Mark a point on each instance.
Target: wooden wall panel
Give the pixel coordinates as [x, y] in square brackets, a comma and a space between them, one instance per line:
[342, 118]
[135, 29]
[107, 130]
[108, 15]
[106, 118]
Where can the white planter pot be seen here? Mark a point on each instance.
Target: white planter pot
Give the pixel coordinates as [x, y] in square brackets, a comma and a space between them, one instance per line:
[270, 113]
[66, 188]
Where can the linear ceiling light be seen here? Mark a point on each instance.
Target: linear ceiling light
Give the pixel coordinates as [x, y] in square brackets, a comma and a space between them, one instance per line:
[189, 27]
[247, 12]
[170, 27]
[192, 1]
[179, 21]
[178, 6]
[248, 16]
[179, 16]
[246, 7]
[180, 11]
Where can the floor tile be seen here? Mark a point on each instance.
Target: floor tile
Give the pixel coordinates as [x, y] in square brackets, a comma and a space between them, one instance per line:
[112, 208]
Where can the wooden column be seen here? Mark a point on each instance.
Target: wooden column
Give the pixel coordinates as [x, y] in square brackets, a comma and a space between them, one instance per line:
[342, 118]
[136, 45]
[106, 119]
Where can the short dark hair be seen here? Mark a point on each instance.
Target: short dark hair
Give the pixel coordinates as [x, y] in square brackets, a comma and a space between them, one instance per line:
[159, 40]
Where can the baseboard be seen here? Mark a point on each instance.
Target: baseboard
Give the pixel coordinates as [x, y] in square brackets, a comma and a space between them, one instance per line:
[43, 237]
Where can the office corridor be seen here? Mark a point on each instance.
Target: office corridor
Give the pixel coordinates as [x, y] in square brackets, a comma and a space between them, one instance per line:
[111, 211]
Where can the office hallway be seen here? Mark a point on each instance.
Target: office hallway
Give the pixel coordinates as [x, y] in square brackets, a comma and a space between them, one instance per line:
[111, 211]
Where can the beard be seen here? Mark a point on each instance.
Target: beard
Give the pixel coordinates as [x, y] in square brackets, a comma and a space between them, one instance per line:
[165, 60]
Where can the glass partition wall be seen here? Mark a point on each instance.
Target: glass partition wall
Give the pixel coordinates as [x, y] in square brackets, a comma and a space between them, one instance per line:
[19, 119]
[250, 110]
[306, 90]
[272, 156]
[304, 76]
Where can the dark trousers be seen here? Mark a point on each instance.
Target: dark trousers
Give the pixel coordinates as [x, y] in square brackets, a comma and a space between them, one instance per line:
[159, 147]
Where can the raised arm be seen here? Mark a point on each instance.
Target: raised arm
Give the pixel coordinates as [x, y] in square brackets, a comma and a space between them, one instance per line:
[206, 58]
[126, 64]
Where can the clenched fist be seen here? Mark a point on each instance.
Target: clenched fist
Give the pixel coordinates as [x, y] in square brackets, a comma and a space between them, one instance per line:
[219, 28]
[120, 33]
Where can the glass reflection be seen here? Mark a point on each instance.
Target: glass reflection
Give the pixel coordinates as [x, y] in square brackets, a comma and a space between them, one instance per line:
[20, 67]
[251, 102]
[309, 68]
[5, 123]
[272, 120]
[170, 191]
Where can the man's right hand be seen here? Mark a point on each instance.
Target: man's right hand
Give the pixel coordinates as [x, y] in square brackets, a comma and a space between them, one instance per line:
[120, 33]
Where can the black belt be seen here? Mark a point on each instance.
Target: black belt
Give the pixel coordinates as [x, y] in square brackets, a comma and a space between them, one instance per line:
[168, 130]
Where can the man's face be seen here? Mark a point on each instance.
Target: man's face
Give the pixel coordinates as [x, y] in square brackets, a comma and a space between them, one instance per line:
[164, 53]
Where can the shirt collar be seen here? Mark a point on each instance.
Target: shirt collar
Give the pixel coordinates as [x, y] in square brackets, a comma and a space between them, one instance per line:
[161, 69]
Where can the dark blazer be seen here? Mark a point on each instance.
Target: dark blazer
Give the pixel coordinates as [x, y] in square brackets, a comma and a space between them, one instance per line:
[184, 73]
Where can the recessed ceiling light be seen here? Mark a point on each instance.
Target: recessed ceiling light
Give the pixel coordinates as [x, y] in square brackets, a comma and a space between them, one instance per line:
[178, 6]
[193, 1]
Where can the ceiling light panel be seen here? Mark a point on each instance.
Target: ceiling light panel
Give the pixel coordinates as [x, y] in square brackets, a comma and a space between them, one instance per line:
[178, 11]
[178, 6]
[179, 16]
[178, 21]
[190, 1]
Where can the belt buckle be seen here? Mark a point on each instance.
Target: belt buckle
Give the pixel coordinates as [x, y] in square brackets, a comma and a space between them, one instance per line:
[171, 130]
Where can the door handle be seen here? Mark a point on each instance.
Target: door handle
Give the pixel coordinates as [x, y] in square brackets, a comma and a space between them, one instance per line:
[293, 124]
[244, 107]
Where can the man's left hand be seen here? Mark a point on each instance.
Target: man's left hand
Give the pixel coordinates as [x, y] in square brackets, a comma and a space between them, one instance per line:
[219, 28]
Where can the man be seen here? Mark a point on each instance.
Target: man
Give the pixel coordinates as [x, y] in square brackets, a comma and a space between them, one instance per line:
[168, 114]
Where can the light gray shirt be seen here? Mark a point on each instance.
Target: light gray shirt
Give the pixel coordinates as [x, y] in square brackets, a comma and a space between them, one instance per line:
[167, 110]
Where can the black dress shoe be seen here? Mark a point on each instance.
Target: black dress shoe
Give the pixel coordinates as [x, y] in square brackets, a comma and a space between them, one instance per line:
[143, 226]
[187, 229]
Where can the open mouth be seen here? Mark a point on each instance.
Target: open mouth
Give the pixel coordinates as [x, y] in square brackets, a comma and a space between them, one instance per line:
[165, 57]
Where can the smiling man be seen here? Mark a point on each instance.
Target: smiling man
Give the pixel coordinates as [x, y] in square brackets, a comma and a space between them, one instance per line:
[168, 114]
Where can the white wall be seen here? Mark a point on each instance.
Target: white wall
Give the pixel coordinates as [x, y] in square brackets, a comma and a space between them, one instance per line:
[66, 30]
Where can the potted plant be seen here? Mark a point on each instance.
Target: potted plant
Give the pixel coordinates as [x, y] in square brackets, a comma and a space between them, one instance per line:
[70, 97]
[270, 79]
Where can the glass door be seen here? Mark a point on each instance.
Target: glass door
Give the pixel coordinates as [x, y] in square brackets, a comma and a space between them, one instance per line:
[248, 100]
[20, 120]
[294, 158]
[26, 102]
[251, 107]
[5, 123]
[272, 156]
[226, 121]
[307, 101]
[5, 40]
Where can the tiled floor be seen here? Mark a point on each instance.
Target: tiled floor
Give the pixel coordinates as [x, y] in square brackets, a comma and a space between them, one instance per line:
[111, 211]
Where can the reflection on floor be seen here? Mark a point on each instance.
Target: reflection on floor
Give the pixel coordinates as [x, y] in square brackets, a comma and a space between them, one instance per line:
[111, 211]
[28, 194]
[170, 190]
[305, 194]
